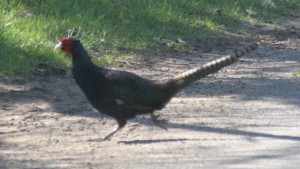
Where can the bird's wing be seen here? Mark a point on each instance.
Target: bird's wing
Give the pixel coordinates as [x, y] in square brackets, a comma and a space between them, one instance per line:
[131, 90]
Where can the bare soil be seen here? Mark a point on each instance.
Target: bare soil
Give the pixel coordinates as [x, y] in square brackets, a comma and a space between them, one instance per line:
[245, 116]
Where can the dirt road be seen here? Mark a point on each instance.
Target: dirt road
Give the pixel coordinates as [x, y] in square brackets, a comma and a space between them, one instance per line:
[245, 116]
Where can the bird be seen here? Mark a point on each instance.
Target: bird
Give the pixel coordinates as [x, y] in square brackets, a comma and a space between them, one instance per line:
[123, 95]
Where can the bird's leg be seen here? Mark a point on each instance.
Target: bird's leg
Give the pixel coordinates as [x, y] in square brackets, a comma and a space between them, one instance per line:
[121, 124]
[158, 122]
[111, 133]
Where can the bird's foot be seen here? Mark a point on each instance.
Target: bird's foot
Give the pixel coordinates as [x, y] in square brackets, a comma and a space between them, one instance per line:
[105, 138]
[108, 135]
[159, 122]
[97, 139]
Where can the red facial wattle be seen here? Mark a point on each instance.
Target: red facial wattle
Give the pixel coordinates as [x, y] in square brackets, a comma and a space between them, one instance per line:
[66, 45]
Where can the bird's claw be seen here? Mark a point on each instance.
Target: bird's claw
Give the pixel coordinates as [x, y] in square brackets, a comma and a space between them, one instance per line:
[159, 122]
[97, 139]
[107, 136]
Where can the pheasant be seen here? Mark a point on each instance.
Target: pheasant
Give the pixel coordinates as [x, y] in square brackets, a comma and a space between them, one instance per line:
[123, 95]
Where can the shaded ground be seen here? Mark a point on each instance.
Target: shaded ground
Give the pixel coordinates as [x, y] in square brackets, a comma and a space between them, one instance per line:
[245, 116]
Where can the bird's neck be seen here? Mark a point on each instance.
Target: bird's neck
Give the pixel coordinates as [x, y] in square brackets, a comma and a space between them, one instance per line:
[80, 56]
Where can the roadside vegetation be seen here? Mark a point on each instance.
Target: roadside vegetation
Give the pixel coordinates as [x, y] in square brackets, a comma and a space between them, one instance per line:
[114, 29]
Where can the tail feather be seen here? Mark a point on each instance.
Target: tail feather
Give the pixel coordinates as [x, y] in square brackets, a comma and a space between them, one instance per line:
[184, 79]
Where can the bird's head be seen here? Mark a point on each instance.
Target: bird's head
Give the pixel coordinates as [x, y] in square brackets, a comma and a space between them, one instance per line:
[67, 45]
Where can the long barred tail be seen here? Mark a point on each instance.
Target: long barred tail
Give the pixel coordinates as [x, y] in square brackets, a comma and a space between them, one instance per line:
[187, 78]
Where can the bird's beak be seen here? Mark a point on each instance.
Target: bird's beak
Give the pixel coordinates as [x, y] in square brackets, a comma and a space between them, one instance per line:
[59, 46]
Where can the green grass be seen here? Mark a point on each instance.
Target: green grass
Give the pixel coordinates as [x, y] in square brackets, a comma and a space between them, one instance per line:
[29, 29]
